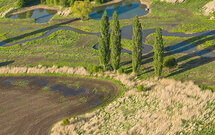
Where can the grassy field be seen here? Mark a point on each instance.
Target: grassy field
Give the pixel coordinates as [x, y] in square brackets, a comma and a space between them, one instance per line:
[66, 48]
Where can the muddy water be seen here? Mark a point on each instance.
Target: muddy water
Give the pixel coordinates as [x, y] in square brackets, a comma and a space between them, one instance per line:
[67, 87]
[30, 105]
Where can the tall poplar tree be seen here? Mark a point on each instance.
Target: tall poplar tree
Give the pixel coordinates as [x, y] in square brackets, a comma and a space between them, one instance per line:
[136, 45]
[104, 40]
[158, 52]
[115, 42]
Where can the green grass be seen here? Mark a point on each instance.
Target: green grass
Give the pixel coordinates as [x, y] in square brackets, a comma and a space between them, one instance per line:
[66, 48]
[6, 4]
[62, 48]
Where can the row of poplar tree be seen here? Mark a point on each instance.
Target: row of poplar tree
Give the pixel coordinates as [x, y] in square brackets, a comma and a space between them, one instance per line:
[113, 40]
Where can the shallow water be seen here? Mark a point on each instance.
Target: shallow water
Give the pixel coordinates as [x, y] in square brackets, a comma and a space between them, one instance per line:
[125, 10]
[40, 15]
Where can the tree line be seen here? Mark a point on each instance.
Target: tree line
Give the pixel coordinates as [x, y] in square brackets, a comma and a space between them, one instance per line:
[110, 45]
[64, 3]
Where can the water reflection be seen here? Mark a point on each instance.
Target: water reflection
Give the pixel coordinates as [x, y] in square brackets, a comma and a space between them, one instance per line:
[40, 15]
[125, 9]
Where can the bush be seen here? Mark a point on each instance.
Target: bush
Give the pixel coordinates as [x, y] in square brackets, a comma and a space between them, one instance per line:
[214, 14]
[120, 70]
[141, 88]
[170, 62]
[66, 122]
[96, 69]
[108, 68]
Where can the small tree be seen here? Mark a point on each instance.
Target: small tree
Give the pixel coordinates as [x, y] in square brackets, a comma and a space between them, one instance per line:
[137, 45]
[20, 3]
[158, 52]
[104, 41]
[115, 42]
[81, 9]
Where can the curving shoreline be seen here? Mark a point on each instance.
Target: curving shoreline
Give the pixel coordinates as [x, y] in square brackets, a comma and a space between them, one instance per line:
[127, 33]
[35, 7]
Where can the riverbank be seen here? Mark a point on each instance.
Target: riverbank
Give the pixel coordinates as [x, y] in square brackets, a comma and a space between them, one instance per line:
[36, 7]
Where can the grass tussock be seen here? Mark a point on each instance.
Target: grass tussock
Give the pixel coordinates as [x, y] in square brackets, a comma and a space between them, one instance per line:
[170, 107]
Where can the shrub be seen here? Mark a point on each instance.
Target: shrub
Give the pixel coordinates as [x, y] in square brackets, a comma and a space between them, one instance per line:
[66, 122]
[214, 14]
[120, 70]
[141, 88]
[96, 69]
[170, 62]
[108, 68]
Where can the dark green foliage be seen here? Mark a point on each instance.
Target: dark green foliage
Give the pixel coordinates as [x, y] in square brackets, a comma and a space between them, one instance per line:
[214, 14]
[21, 3]
[63, 3]
[104, 41]
[66, 122]
[158, 52]
[170, 62]
[71, 3]
[137, 45]
[115, 42]
[120, 70]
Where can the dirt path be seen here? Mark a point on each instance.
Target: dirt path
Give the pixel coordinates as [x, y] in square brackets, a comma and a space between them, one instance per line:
[28, 110]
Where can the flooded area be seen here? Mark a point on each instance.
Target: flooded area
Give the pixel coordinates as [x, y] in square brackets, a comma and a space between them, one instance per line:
[29, 103]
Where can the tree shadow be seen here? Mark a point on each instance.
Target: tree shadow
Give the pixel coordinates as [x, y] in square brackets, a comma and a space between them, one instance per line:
[6, 63]
[192, 64]
[189, 48]
[38, 31]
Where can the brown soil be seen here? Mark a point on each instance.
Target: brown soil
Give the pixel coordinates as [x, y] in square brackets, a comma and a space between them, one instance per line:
[29, 110]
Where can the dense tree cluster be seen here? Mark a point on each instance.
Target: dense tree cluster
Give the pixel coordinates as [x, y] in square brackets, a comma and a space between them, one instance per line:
[63, 3]
[81, 9]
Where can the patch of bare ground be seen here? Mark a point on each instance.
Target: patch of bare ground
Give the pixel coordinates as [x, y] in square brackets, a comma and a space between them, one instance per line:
[161, 110]
[29, 109]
